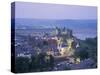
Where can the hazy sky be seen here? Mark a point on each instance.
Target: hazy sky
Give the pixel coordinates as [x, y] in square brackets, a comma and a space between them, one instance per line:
[54, 11]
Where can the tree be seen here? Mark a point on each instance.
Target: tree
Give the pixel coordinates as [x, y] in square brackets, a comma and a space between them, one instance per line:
[21, 64]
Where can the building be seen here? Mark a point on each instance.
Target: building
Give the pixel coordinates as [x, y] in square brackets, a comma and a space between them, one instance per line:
[65, 40]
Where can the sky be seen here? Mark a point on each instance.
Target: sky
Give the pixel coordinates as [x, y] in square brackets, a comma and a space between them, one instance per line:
[54, 11]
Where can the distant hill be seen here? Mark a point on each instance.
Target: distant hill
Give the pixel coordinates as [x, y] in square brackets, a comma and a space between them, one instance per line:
[47, 23]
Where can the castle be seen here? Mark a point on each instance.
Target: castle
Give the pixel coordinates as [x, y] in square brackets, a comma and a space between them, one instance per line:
[66, 42]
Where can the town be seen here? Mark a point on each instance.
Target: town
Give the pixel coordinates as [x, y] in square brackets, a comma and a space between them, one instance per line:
[55, 49]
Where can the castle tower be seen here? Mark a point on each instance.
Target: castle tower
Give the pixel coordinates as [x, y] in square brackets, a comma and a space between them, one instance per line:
[65, 37]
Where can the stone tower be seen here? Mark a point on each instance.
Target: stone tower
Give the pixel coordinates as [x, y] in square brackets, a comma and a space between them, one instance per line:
[65, 40]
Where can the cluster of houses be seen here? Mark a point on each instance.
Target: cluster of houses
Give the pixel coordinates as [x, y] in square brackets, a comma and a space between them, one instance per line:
[61, 44]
